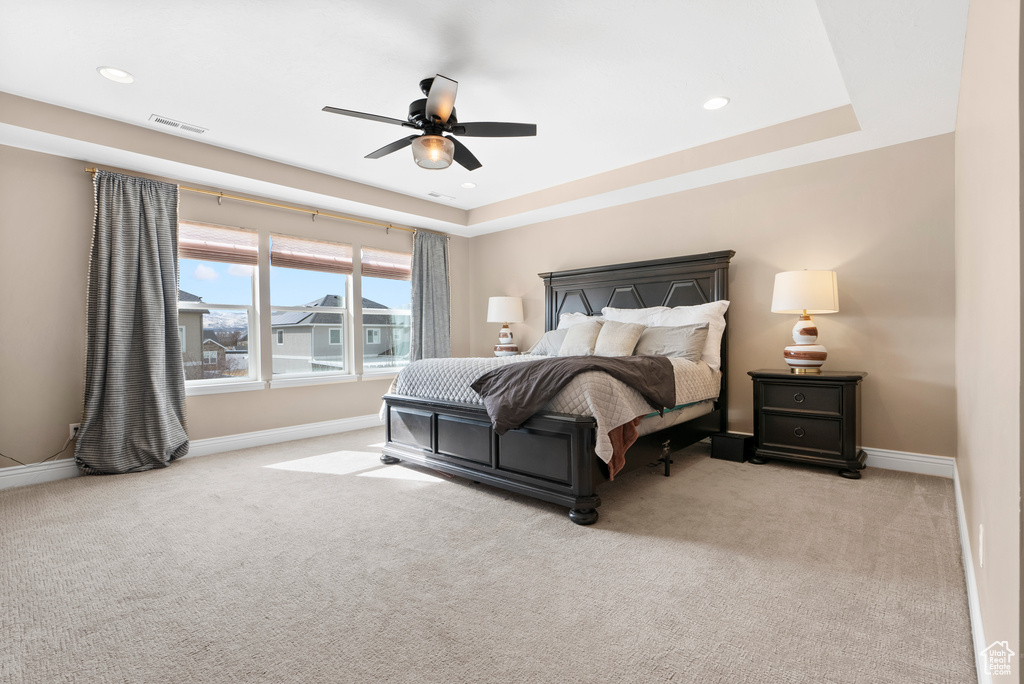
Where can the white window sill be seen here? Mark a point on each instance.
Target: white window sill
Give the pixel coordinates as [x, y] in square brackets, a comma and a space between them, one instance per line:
[381, 375]
[223, 387]
[318, 379]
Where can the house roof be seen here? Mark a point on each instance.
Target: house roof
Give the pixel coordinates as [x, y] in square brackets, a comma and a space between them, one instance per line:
[282, 318]
[296, 318]
[188, 296]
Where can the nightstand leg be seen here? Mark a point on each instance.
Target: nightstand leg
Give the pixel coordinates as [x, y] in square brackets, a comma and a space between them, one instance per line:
[850, 474]
[757, 460]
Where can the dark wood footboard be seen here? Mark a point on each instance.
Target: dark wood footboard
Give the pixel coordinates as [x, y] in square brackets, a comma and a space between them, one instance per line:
[551, 457]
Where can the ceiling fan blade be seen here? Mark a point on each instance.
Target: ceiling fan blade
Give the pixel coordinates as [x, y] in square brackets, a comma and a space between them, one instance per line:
[369, 117]
[495, 129]
[441, 99]
[391, 147]
[463, 156]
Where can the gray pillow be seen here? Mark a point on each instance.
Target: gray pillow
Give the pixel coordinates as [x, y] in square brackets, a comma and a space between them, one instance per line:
[550, 343]
[684, 341]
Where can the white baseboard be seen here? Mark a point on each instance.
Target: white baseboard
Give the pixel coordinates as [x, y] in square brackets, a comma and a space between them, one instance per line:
[925, 464]
[973, 602]
[905, 461]
[216, 445]
[34, 473]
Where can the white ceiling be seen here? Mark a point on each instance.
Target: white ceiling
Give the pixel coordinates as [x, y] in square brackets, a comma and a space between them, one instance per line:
[608, 83]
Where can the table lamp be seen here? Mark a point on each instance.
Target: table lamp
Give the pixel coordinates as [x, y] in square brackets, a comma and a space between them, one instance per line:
[805, 293]
[505, 310]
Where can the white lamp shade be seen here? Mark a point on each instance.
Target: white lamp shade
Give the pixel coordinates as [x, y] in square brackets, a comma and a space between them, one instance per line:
[505, 310]
[816, 292]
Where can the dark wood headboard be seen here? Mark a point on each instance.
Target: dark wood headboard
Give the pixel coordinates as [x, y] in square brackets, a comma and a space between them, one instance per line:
[676, 281]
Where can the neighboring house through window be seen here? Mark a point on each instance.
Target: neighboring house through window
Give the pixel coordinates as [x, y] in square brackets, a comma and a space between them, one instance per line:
[309, 281]
[216, 300]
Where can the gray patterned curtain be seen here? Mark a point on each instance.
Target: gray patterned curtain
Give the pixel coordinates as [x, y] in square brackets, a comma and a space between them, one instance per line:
[134, 415]
[431, 297]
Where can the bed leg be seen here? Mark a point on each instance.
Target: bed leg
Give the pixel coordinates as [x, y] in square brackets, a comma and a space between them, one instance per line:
[389, 460]
[583, 516]
[666, 457]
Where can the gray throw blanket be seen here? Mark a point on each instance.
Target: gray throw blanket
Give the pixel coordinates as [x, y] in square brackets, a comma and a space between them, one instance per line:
[513, 393]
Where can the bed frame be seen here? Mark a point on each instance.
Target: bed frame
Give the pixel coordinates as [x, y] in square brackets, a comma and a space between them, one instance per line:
[551, 457]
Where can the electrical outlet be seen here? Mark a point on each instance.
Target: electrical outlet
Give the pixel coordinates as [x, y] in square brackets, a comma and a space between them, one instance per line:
[981, 546]
[73, 430]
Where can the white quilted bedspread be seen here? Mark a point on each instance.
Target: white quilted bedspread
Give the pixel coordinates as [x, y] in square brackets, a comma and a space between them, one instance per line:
[611, 402]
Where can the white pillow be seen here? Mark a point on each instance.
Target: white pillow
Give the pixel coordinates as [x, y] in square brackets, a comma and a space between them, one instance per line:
[641, 316]
[581, 338]
[617, 339]
[567, 320]
[713, 313]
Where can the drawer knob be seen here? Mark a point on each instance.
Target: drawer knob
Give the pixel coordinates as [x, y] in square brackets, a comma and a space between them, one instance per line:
[799, 432]
[799, 398]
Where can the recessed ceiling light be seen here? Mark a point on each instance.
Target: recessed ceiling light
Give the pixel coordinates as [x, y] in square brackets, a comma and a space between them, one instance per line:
[716, 103]
[115, 74]
[468, 185]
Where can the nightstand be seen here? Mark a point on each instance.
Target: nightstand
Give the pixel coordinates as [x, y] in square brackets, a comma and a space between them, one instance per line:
[808, 417]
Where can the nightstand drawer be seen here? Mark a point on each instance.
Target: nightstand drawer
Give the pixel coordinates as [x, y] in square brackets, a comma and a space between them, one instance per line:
[794, 397]
[823, 435]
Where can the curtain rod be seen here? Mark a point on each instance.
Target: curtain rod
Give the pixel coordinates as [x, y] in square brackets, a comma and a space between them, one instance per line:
[314, 213]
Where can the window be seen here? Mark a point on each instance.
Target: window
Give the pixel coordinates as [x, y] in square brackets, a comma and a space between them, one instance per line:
[387, 308]
[216, 300]
[309, 281]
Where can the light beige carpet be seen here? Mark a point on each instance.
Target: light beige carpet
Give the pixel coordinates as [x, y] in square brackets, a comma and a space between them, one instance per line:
[312, 562]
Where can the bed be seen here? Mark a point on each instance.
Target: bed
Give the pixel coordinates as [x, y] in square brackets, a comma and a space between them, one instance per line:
[553, 455]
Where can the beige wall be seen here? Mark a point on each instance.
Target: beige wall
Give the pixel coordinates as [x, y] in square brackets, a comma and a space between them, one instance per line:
[882, 219]
[46, 210]
[988, 308]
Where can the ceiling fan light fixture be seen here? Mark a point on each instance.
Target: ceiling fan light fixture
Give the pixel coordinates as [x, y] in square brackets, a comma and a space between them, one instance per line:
[433, 152]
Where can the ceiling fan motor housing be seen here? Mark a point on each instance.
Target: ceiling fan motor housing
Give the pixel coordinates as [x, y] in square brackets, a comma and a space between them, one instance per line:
[418, 112]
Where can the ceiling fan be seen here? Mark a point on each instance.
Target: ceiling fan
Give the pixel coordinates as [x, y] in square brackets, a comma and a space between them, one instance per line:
[434, 147]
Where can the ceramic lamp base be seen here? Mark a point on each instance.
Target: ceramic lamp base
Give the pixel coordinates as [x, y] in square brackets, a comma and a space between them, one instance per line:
[505, 350]
[505, 346]
[805, 356]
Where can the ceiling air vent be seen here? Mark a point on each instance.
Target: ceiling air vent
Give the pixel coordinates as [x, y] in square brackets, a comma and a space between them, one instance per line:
[434, 193]
[180, 125]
